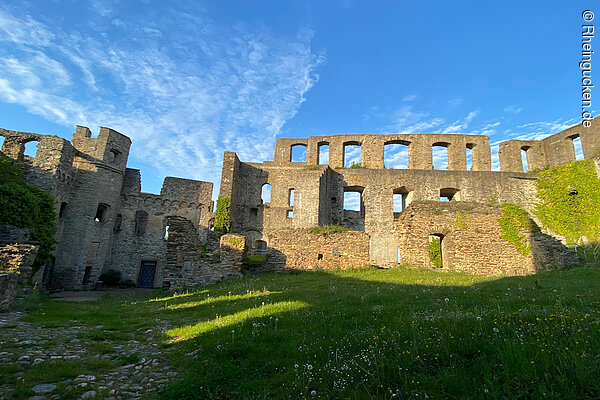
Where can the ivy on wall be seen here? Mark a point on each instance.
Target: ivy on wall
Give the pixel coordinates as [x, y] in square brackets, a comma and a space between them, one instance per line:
[222, 216]
[27, 207]
[570, 200]
[514, 219]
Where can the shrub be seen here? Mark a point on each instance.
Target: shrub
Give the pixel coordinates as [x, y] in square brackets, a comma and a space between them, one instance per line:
[110, 278]
[222, 216]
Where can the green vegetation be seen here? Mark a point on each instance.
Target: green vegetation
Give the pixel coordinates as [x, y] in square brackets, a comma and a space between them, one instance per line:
[354, 165]
[513, 221]
[327, 230]
[462, 220]
[435, 251]
[256, 259]
[28, 207]
[222, 216]
[570, 200]
[354, 334]
[234, 241]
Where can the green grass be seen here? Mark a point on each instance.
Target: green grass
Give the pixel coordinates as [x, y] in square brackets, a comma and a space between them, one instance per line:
[366, 334]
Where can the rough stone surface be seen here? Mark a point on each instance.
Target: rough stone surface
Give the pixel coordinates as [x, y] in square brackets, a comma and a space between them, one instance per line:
[301, 249]
[89, 174]
[44, 388]
[26, 344]
[472, 241]
[319, 190]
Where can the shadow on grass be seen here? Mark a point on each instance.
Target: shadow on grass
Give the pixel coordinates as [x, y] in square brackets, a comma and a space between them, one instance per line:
[373, 334]
[366, 334]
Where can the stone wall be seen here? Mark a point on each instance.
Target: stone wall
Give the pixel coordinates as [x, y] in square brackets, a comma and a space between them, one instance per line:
[555, 150]
[8, 289]
[17, 254]
[301, 249]
[188, 265]
[90, 173]
[472, 241]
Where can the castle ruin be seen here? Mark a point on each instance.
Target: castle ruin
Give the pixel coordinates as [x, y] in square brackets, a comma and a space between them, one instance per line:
[106, 222]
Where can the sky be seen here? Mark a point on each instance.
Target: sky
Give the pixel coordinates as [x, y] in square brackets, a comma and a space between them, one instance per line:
[188, 80]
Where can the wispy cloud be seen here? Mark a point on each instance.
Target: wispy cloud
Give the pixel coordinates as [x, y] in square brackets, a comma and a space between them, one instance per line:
[513, 109]
[215, 88]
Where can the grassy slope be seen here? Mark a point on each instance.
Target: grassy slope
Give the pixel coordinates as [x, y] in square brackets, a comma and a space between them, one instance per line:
[369, 333]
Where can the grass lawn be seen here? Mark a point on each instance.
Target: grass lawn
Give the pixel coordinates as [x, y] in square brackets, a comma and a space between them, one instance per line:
[365, 334]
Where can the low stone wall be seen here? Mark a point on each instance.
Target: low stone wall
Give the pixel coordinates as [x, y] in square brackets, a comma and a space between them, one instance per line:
[300, 249]
[472, 241]
[187, 265]
[8, 289]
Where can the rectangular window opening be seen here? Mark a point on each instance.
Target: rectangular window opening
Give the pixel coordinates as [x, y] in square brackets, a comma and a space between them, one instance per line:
[578, 148]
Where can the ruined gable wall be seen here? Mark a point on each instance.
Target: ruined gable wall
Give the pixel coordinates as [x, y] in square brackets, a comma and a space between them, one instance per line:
[472, 241]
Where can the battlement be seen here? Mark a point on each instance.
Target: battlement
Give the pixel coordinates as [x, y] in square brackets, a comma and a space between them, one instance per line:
[110, 146]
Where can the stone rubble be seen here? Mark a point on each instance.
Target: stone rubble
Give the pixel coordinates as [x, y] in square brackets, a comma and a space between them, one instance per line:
[30, 344]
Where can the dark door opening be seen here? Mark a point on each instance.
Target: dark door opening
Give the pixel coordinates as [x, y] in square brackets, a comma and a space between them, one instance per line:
[147, 273]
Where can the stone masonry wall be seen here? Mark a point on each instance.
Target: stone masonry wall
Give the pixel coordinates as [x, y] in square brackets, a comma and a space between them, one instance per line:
[186, 265]
[300, 249]
[472, 241]
[17, 254]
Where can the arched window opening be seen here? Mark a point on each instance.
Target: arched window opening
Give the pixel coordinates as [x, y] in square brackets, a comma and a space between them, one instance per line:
[323, 153]
[266, 193]
[141, 222]
[439, 154]
[399, 259]
[395, 155]
[525, 158]
[449, 194]
[577, 147]
[470, 156]
[436, 250]
[291, 197]
[167, 232]
[101, 213]
[260, 247]
[298, 153]
[31, 148]
[352, 155]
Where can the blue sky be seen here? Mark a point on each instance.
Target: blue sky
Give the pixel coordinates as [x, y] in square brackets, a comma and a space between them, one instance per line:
[188, 80]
